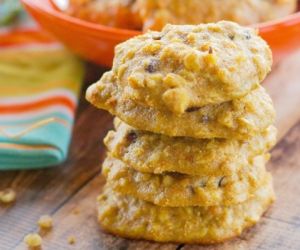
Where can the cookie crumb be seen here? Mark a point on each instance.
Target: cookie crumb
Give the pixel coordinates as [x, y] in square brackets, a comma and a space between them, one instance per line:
[7, 196]
[71, 240]
[33, 240]
[45, 222]
[76, 211]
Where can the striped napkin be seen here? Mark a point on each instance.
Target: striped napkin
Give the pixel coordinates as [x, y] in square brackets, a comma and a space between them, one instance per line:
[39, 86]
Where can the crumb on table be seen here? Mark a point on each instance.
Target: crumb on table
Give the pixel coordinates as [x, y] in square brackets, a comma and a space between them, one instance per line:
[71, 240]
[7, 196]
[76, 211]
[45, 222]
[33, 240]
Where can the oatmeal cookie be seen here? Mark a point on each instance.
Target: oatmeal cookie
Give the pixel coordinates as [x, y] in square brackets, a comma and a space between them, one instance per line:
[177, 190]
[155, 153]
[240, 118]
[115, 13]
[186, 67]
[129, 217]
[156, 13]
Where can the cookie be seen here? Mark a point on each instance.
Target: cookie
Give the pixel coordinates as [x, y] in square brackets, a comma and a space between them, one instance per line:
[186, 67]
[176, 190]
[240, 118]
[155, 13]
[155, 153]
[129, 217]
[115, 13]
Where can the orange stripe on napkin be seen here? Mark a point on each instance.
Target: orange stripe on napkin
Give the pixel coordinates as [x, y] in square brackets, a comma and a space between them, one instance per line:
[20, 108]
[25, 147]
[25, 37]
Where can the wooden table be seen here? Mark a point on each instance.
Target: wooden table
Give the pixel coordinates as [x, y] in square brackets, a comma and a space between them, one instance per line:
[68, 192]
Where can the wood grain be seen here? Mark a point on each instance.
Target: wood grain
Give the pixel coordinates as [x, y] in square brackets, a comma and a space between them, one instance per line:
[68, 192]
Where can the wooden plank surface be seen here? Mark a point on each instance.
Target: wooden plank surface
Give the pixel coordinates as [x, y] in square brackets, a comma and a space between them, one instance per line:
[68, 192]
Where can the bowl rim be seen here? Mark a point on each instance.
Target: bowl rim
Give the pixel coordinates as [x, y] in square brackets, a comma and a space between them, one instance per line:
[49, 7]
[286, 21]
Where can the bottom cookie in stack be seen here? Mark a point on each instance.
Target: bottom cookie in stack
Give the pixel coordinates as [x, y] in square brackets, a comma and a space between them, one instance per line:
[129, 217]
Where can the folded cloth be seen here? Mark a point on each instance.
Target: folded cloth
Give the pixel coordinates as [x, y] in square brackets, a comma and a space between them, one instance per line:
[39, 86]
[9, 11]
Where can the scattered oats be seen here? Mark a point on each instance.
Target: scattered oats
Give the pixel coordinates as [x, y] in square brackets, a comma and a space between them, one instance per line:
[71, 240]
[76, 211]
[7, 196]
[45, 222]
[33, 240]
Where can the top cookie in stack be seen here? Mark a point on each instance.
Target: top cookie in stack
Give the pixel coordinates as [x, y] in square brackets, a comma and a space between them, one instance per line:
[196, 81]
[186, 161]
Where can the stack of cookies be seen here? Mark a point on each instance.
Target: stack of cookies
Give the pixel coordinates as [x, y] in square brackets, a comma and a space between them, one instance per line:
[186, 161]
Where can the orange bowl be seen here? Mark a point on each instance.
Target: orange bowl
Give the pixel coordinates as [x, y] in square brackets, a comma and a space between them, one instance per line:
[96, 42]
